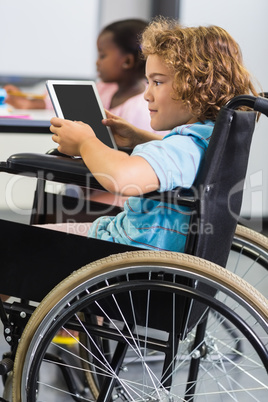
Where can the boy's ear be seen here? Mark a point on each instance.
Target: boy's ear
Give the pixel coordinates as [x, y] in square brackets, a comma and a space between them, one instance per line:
[129, 61]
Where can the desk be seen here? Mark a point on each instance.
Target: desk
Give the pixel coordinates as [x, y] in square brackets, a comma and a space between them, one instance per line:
[23, 135]
[24, 126]
[39, 122]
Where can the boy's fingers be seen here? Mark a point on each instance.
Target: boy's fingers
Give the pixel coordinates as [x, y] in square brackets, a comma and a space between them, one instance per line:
[110, 115]
[107, 122]
[55, 138]
[53, 129]
[56, 121]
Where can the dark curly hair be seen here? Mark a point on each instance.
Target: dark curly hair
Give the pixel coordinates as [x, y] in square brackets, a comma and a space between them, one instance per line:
[206, 61]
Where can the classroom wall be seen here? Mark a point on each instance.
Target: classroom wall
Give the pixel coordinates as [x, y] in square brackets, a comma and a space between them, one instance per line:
[121, 9]
[49, 38]
[57, 38]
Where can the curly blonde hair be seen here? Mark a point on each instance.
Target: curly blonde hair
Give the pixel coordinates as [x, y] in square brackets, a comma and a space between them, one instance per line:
[206, 62]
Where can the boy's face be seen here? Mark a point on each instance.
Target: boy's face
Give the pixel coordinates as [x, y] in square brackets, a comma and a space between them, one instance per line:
[110, 58]
[166, 113]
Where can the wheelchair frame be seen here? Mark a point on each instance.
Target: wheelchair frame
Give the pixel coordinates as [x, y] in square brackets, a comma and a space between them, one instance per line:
[185, 281]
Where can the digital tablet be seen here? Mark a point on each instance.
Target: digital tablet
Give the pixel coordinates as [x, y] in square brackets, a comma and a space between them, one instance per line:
[79, 100]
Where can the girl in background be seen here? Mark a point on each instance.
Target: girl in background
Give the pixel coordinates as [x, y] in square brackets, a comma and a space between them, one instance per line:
[121, 71]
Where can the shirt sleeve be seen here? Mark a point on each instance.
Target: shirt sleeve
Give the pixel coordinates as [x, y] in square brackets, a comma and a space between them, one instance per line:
[175, 160]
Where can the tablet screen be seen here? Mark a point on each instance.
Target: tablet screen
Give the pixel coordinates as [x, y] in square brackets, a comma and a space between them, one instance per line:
[80, 101]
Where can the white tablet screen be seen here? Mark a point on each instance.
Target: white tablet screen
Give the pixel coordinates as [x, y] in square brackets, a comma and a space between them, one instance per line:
[78, 100]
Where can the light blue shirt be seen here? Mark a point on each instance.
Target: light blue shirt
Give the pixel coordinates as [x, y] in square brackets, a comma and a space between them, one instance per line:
[152, 224]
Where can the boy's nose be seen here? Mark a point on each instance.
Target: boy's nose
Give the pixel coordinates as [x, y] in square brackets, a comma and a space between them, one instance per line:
[147, 95]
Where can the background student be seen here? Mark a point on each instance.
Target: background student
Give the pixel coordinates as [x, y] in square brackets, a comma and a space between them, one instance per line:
[121, 72]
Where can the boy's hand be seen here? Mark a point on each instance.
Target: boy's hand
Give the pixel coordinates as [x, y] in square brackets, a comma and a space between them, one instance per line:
[70, 135]
[124, 133]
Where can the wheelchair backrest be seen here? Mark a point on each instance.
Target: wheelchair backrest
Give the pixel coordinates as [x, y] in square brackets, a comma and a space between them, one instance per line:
[219, 185]
[219, 191]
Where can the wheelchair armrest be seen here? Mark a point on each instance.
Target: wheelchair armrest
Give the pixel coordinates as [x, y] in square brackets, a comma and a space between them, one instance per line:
[179, 196]
[56, 152]
[57, 168]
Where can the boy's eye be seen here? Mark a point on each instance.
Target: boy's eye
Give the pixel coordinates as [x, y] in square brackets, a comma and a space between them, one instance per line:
[153, 82]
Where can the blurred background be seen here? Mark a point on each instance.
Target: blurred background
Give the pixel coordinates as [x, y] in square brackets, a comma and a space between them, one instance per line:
[57, 39]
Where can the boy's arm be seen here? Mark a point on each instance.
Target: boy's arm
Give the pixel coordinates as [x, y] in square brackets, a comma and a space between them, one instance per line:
[116, 171]
[127, 135]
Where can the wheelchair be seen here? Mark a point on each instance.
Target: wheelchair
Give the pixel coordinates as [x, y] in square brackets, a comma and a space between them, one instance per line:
[149, 325]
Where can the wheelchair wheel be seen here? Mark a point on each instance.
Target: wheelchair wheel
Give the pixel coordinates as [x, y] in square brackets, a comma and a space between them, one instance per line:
[144, 338]
[248, 258]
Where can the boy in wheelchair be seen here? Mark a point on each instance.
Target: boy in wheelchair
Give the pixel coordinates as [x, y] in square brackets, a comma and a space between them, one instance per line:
[191, 73]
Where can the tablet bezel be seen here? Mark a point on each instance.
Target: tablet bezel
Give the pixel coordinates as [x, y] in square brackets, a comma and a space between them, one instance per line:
[57, 107]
